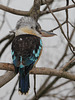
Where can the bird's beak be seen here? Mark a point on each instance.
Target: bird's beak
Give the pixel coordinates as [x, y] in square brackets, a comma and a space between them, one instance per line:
[46, 33]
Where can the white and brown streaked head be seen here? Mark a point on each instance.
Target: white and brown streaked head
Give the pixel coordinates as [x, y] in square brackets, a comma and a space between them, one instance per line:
[27, 25]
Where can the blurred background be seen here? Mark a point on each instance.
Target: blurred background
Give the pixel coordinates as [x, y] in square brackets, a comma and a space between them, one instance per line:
[56, 52]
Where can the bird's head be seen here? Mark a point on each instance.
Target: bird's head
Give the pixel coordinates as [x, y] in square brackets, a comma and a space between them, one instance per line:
[27, 25]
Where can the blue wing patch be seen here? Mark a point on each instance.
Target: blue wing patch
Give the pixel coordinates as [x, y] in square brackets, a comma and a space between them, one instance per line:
[21, 63]
[40, 42]
[36, 54]
[12, 52]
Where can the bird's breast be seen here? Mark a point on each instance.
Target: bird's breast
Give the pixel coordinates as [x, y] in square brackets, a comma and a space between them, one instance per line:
[28, 47]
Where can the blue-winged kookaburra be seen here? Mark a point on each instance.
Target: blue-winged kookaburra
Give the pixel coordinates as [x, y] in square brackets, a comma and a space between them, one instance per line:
[26, 49]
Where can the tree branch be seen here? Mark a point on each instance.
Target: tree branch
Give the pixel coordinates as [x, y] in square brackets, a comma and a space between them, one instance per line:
[35, 10]
[6, 45]
[56, 66]
[14, 11]
[48, 1]
[48, 87]
[42, 71]
[27, 13]
[6, 78]
[5, 38]
[62, 31]
[57, 9]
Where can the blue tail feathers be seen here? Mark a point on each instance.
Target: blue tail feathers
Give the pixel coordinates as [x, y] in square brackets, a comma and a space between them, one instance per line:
[23, 82]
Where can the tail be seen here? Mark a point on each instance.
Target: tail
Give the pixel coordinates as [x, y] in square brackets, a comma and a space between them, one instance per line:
[23, 82]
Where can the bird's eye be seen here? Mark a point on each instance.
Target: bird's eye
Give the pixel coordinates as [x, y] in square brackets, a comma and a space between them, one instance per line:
[31, 27]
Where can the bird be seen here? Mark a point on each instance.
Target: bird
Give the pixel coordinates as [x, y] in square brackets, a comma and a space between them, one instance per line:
[26, 49]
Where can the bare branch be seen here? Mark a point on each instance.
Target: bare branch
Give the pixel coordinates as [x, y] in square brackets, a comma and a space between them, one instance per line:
[62, 31]
[35, 10]
[7, 66]
[58, 86]
[13, 90]
[10, 67]
[43, 71]
[57, 65]
[57, 27]
[48, 1]
[6, 45]
[5, 38]
[57, 9]
[4, 14]
[46, 89]
[67, 16]
[27, 13]
[35, 87]
[6, 78]
[73, 1]
[14, 11]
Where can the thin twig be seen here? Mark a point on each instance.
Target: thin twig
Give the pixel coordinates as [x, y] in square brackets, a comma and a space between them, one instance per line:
[45, 90]
[73, 1]
[13, 90]
[57, 9]
[6, 45]
[57, 27]
[43, 87]
[4, 15]
[58, 86]
[67, 3]
[71, 24]
[70, 45]
[5, 38]
[35, 87]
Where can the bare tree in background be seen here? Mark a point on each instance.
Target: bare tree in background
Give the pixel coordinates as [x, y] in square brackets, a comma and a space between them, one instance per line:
[53, 87]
